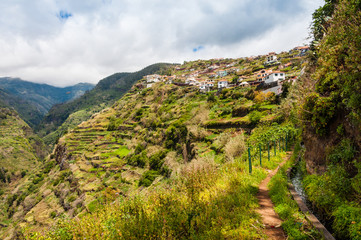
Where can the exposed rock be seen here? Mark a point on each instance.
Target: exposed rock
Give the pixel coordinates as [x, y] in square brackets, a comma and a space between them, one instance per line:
[318, 147]
[61, 156]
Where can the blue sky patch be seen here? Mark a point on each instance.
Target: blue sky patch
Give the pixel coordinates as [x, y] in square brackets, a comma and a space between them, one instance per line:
[63, 15]
[198, 48]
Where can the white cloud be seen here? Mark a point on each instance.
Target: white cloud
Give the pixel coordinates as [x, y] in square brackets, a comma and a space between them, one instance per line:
[96, 38]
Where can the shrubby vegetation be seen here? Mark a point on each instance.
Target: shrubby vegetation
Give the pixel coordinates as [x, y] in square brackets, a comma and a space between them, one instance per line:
[205, 202]
[331, 111]
[336, 193]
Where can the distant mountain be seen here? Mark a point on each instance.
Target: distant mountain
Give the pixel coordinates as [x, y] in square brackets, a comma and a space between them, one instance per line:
[42, 96]
[27, 111]
[105, 93]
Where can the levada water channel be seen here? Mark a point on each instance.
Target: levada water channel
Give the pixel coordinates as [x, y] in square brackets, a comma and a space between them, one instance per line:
[296, 177]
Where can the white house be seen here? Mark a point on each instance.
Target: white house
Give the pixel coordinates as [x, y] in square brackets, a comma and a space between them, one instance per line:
[206, 86]
[263, 73]
[244, 84]
[210, 84]
[271, 58]
[222, 73]
[191, 81]
[222, 84]
[153, 78]
[274, 77]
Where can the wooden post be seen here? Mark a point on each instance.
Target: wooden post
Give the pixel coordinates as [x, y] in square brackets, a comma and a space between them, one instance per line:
[268, 151]
[260, 155]
[279, 143]
[275, 146]
[249, 160]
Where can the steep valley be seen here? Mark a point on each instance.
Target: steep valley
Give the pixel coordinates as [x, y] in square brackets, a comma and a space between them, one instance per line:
[156, 138]
[178, 151]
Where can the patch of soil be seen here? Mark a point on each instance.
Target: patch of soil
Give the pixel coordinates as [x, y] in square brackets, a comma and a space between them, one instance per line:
[270, 218]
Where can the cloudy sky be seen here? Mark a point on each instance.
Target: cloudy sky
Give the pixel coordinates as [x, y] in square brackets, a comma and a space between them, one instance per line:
[63, 42]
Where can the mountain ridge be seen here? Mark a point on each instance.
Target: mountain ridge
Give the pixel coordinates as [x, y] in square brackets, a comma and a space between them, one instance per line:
[41, 97]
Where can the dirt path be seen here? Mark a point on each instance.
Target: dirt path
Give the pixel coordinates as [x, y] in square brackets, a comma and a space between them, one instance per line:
[270, 218]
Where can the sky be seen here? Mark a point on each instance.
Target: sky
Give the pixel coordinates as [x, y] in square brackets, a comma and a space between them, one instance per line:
[64, 42]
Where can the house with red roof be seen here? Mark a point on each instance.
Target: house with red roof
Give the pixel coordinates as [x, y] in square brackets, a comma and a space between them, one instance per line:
[263, 73]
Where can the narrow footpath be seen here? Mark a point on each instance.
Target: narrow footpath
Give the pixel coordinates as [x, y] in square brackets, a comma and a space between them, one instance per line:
[270, 218]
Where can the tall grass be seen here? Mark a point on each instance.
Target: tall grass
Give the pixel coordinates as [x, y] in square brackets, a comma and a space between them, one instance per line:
[206, 201]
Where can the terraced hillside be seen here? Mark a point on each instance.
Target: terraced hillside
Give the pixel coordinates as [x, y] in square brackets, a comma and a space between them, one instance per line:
[147, 139]
[105, 93]
[16, 143]
[21, 153]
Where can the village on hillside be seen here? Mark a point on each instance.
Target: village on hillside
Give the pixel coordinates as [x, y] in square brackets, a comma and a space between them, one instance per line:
[269, 71]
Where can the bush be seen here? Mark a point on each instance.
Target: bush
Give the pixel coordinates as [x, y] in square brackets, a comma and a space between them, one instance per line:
[319, 111]
[211, 98]
[175, 134]
[330, 189]
[11, 199]
[93, 206]
[111, 126]
[156, 160]
[344, 153]
[165, 171]
[2, 176]
[48, 167]
[250, 94]
[226, 111]
[38, 179]
[137, 160]
[255, 117]
[347, 223]
[147, 178]
[138, 114]
[235, 147]
[220, 142]
[53, 214]
[260, 97]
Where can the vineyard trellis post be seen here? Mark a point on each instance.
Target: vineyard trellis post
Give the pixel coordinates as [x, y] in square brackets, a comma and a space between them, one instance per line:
[275, 146]
[249, 160]
[260, 155]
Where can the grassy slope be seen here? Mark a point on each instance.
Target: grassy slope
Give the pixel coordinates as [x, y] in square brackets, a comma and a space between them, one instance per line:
[15, 147]
[107, 91]
[20, 151]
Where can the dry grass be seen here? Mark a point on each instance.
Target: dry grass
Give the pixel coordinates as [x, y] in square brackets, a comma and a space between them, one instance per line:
[200, 115]
[198, 132]
[235, 147]
[222, 139]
